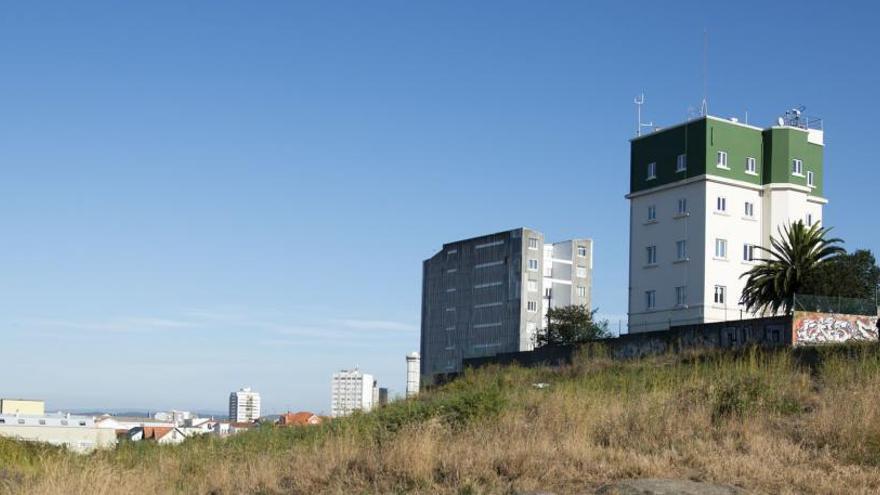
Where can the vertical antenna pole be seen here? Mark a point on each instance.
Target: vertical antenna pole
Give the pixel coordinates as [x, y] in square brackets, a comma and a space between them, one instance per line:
[704, 108]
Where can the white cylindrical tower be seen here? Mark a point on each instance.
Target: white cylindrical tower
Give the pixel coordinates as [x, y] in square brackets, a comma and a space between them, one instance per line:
[412, 374]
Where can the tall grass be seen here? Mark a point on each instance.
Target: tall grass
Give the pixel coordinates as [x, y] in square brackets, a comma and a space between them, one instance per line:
[772, 422]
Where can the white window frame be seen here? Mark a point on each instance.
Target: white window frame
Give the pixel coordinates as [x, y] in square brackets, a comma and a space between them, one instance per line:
[681, 250]
[721, 248]
[650, 299]
[533, 242]
[681, 295]
[811, 178]
[682, 206]
[797, 167]
[721, 204]
[751, 166]
[652, 171]
[721, 160]
[651, 255]
[749, 209]
[581, 271]
[681, 163]
[533, 265]
[652, 213]
[532, 306]
[581, 291]
[720, 294]
[532, 285]
[582, 251]
[809, 219]
[748, 252]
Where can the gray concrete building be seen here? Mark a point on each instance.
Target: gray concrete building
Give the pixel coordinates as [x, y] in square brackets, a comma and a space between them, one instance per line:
[490, 294]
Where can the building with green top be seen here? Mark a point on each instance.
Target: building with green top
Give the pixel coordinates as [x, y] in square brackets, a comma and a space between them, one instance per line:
[702, 195]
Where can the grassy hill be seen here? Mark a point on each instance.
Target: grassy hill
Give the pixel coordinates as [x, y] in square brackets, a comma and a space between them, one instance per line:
[782, 422]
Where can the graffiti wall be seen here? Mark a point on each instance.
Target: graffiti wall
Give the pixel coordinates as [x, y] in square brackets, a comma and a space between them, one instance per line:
[826, 328]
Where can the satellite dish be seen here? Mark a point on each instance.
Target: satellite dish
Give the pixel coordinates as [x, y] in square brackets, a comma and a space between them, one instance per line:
[780, 121]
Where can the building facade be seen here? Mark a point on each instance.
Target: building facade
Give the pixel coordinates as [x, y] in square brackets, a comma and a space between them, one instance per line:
[490, 294]
[352, 390]
[412, 374]
[702, 195]
[22, 406]
[244, 406]
[77, 433]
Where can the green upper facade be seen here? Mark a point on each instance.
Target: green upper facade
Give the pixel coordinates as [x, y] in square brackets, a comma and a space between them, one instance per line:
[758, 156]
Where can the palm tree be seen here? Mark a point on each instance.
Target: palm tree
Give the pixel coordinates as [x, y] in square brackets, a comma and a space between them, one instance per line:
[772, 284]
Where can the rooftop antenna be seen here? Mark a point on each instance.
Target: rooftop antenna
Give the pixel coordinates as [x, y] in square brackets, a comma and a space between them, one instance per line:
[704, 106]
[639, 101]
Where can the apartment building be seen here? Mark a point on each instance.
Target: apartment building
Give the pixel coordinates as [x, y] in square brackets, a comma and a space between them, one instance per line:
[490, 294]
[244, 406]
[352, 390]
[702, 195]
[77, 433]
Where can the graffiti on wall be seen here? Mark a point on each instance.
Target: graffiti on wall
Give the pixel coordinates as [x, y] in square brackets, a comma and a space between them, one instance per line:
[822, 328]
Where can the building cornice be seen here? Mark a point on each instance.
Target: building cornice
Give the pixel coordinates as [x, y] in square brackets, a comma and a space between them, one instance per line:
[775, 186]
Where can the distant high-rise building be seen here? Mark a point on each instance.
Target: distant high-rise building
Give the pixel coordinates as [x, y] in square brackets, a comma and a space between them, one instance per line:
[383, 396]
[412, 374]
[704, 195]
[244, 406]
[352, 391]
[490, 294]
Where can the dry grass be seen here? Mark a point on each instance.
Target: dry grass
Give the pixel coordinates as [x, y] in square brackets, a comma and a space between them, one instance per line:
[760, 421]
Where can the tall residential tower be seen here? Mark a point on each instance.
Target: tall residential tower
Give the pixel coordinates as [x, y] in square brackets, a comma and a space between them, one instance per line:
[702, 195]
[490, 294]
[352, 391]
[244, 406]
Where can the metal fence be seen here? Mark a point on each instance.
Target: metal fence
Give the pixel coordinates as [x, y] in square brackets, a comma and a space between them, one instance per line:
[831, 304]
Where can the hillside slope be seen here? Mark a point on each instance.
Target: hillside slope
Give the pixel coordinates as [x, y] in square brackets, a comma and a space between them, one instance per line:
[764, 422]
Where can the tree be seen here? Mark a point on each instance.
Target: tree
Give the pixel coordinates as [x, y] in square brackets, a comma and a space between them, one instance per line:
[854, 275]
[571, 325]
[790, 261]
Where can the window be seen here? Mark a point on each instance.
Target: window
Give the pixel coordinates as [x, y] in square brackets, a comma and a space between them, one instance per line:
[650, 299]
[651, 255]
[721, 160]
[721, 248]
[21, 421]
[64, 422]
[533, 243]
[582, 251]
[720, 292]
[681, 250]
[682, 206]
[652, 171]
[548, 292]
[533, 286]
[797, 167]
[582, 271]
[581, 291]
[2, 421]
[82, 423]
[811, 179]
[533, 265]
[721, 204]
[681, 163]
[532, 306]
[809, 219]
[751, 166]
[681, 295]
[748, 252]
[750, 209]
[652, 213]
[42, 421]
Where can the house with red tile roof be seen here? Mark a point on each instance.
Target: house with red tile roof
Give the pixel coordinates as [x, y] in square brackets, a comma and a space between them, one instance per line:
[302, 418]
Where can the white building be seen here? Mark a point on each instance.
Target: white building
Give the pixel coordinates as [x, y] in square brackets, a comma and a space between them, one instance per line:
[244, 406]
[412, 374]
[351, 391]
[702, 195]
[77, 433]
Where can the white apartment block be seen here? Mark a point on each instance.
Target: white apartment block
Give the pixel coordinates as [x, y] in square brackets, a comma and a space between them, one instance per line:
[352, 390]
[703, 195]
[244, 406]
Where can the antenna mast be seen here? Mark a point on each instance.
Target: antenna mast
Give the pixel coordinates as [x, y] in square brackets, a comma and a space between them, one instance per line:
[639, 101]
[704, 106]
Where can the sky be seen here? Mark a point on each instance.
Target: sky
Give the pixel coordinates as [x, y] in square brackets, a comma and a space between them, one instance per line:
[201, 196]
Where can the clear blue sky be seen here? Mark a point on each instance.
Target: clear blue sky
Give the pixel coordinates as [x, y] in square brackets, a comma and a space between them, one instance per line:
[202, 196]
